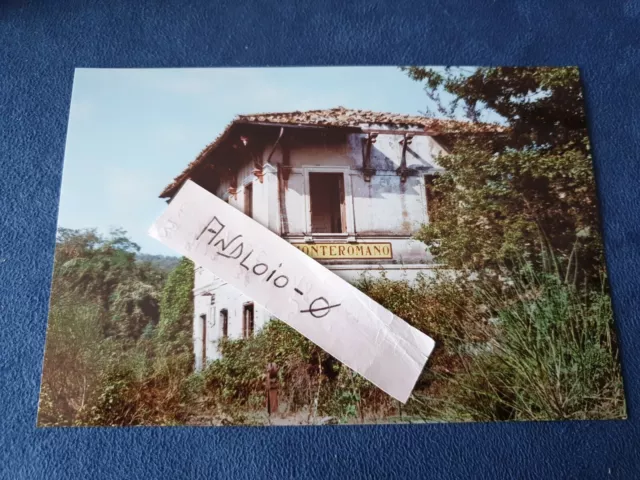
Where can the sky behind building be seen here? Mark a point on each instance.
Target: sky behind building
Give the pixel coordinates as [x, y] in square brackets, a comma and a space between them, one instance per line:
[131, 131]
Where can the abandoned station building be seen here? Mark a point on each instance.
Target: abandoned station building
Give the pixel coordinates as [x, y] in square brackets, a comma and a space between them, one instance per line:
[350, 188]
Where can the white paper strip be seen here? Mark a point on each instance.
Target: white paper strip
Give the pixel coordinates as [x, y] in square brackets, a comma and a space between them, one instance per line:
[296, 289]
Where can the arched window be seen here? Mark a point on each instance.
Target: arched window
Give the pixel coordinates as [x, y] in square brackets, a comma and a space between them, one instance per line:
[224, 322]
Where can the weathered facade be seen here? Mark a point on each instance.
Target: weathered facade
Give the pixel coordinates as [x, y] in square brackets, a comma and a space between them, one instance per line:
[348, 187]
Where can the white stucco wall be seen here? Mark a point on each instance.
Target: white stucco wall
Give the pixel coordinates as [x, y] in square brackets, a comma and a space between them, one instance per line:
[385, 205]
[226, 297]
[295, 203]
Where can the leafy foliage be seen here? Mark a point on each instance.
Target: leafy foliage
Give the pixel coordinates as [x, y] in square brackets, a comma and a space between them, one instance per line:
[177, 305]
[146, 384]
[490, 208]
[134, 305]
[523, 193]
[542, 106]
[72, 357]
[310, 380]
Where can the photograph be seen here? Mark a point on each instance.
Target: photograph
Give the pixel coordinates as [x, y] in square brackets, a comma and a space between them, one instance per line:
[461, 199]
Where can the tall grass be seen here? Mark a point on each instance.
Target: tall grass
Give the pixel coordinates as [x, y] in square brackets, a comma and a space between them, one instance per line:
[553, 355]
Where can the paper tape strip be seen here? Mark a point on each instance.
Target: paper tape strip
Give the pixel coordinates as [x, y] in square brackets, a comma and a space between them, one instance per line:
[296, 289]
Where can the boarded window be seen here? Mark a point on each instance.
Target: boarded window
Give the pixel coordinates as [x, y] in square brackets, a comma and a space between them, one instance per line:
[327, 202]
[248, 200]
[247, 320]
[224, 322]
[203, 321]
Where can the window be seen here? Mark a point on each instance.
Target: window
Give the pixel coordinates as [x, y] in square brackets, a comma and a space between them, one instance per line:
[203, 321]
[327, 202]
[247, 320]
[432, 197]
[224, 321]
[248, 200]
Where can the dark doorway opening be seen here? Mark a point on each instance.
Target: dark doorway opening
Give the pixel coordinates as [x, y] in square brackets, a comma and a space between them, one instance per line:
[327, 202]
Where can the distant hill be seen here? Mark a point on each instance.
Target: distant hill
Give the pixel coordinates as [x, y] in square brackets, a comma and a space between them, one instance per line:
[162, 262]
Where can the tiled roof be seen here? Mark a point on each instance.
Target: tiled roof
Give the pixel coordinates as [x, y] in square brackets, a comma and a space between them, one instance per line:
[345, 117]
[338, 117]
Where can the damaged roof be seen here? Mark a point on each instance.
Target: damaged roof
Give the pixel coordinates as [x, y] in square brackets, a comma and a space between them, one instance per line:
[337, 117]
[345, 117]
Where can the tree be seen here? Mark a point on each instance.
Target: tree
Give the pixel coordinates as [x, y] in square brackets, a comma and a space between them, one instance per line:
[134, 306]
[176, 307]
[104, 270]
[542, 106]
[522, 194]
[102, 300]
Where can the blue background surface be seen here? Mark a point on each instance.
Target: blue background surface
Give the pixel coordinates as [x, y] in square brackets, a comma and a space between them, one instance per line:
[41, 43]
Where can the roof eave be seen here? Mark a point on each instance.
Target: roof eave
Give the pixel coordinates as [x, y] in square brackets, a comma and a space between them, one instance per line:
[172, 188]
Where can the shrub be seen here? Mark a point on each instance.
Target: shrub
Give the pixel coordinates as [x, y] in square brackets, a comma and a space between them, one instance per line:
[237, 380]
[136, 390]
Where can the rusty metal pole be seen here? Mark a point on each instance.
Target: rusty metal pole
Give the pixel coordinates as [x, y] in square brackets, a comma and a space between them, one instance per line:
[272, 388]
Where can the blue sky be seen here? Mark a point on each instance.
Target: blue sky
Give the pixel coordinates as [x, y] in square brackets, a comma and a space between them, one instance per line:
[131, 131]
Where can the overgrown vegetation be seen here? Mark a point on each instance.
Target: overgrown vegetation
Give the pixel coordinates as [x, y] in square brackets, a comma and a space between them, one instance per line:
[523, 328]
[533, 347]
[111, 357]
[546, 351]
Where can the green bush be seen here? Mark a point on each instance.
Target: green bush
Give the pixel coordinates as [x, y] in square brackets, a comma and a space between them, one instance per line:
[237, 380]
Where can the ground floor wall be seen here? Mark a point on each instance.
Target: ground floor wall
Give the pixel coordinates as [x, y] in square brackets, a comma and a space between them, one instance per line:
[216, 303]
